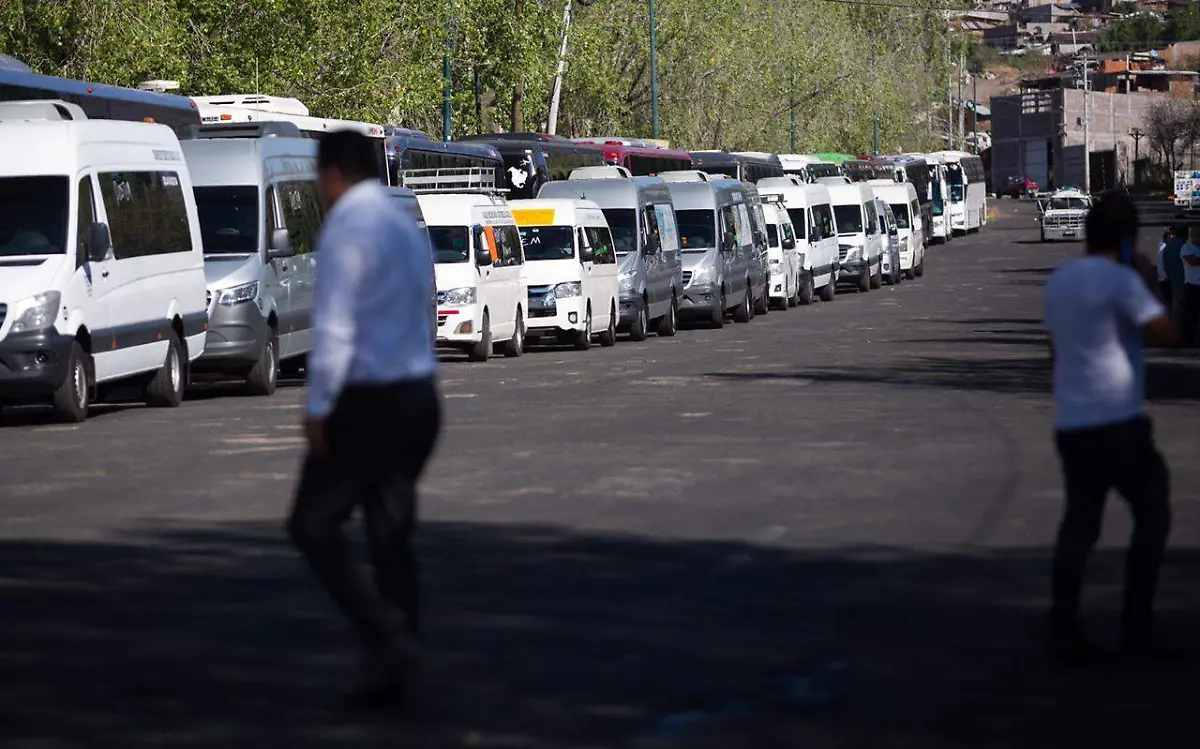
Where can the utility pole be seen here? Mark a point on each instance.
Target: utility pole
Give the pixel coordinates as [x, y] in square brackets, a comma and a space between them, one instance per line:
[975, 110]
[556, 92]
[1087, 141]
[653, 74]
[1137, 136]
[446, 109]
[949, 100]
[875, 111]
[962, 123]
[792, 110]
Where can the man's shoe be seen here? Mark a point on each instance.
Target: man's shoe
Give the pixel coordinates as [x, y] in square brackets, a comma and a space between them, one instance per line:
[387, 675]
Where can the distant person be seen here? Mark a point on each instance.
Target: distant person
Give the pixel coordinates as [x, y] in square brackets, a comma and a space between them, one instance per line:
[1190, 255]
[1098, 309]
[372, 411]
[1164, 285]
[1173, 267]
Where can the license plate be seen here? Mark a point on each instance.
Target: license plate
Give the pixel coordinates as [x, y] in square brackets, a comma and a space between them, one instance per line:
[1068, 233]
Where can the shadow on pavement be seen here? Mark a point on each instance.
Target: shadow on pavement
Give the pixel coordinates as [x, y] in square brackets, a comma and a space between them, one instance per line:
[213, 636]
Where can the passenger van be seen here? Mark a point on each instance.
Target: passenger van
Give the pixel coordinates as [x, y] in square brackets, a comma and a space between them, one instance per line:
[260, 214]
[760, 270]
[903, 200]
[860, 243]
[479, 265]
[784, 285]
[101, 267]
[812, 219]
[571, 269]
[641, 218]
[718, 253]
[890, 234]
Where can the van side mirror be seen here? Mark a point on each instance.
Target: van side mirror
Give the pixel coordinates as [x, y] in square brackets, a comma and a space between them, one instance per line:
[99, 242]
[586, 254]
[281, 245]
[789, 243]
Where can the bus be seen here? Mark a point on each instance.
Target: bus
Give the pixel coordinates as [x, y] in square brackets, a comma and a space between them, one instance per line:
[426, 165]
[746, 167]
[864, 170]
[101, 102]
[641, 158]
[530, 160]
[967, 183]
[808, 168]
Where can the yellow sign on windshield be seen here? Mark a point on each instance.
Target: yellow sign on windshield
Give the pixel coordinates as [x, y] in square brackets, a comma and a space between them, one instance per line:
[534, 216]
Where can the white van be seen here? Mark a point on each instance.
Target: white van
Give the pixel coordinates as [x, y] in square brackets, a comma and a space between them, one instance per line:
[902, 198]
[860, 242]
[808, 205]
[101, 268]
[787, 286]
[479, 265]
[260, 214]
[571, 268]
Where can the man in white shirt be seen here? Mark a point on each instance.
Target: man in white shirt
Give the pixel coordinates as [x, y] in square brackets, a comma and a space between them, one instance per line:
[373, 410]
[1098, 310]
[1190, 255]
[1164, 284]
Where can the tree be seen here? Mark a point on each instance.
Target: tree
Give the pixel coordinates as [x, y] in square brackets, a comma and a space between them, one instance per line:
[1172, 128]
[1185, 23]
[1133, 34]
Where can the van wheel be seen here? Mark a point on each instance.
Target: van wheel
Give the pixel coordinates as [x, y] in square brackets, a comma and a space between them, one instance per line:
[920, 270]
[483, 349]
[717, 318]
[264, 376]
[72, 398]
[516, 345]
[829, 290]
[668, 324]
[609, 336]
[744, 312]
[877, 277]
[583, 339]
[864, 279]
[166, 389]
[805, 294]
[908, 274]
[762, 305]
[639, 330]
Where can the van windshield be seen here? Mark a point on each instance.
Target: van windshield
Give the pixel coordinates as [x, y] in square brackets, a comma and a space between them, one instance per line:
[622, 222]
[697, 229]
[548, 242]
[228, 219]
[33, 215]
[799, 222]
[901, 212]
[849, 219]
[451, 244]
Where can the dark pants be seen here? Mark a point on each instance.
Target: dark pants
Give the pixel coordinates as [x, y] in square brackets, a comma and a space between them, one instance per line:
[1191, 313]
[379, 440]
[1122, 457]
[1164, 290]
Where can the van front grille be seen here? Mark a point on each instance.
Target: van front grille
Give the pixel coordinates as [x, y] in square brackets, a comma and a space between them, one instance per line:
[687, 277]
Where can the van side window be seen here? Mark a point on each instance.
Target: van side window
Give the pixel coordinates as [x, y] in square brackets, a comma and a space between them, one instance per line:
[301, 211]
[824, 218]
[602, 245]
[508, 241]
[872, 219]
[650, 222]
[83, 221]
[668, 232]
[787, 231]
[147, 214]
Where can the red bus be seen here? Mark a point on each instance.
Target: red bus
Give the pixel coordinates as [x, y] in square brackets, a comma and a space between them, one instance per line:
[642, 160]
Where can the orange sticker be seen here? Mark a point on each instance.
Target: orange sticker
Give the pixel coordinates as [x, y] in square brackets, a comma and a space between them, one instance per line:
[490, 234]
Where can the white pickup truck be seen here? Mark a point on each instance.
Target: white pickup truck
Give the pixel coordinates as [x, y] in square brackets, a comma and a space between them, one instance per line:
[1064, 214]
[1187, 198]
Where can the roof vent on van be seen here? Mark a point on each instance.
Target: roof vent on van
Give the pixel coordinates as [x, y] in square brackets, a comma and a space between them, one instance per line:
[686, 175]
[600, 172]
[41, 110]
[246, 130]
[790, 180]
[276, 104]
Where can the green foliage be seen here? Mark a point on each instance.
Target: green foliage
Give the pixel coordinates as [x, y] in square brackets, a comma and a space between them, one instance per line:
[1185, 23]
[1135, 33]
[728, 71]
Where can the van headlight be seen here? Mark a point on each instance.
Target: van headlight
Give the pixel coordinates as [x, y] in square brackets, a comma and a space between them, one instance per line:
[568, 289]
[234, 295]
[703, 275]
[626, 283]
[37, 312]
[460, 297]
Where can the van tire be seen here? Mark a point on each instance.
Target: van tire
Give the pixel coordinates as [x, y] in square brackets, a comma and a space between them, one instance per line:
[668, 324]
[804, 295]
[744, 312]
[920, 269]
[73, 396]
[482, 350]
[717, 316]
[264, 375]
[864, 280]
[829, 290]
[583, 339]
[166, 387]
[762, 305]
[877, 277]
[639, 329]
[516, 345]
[609, 336]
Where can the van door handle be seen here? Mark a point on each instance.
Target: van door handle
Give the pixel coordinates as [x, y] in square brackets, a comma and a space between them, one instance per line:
[104, 274]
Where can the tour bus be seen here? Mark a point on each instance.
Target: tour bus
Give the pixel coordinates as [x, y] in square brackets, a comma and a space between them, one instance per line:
[812, 220]
[864, 170]
[256, 194]
[902, 198]
[807, 168]
[968, 191]
[860, 244]
[533, 159]
[641, 218]
[101, 267]
[718, 250]
[939, 199]
[642, 161]
[747, 168]
[786, 285]
[571, 268]
[101, 102]
[424, 160]
[479, 264]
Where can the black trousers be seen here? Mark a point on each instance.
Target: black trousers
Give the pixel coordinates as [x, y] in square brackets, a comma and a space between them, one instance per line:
[1123, 457]
[379, 439]
[1191, 313]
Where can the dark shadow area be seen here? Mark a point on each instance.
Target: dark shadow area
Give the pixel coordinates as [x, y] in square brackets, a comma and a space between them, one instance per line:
[995, 338]
[1038, 271]
[998, 321]
[213, 636]
[31, 415]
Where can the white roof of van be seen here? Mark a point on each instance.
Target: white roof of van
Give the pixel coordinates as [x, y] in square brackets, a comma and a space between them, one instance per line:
[556, 212]
[893, 191]
[49, 147]
[458, 209]
[852, 194]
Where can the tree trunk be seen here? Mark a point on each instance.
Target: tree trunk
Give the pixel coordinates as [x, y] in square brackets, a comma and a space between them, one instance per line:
[518, 98]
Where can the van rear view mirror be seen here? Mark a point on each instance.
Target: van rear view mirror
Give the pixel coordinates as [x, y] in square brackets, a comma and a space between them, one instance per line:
[281, 245]
[586, 255]
[789, 243]
[99, 242]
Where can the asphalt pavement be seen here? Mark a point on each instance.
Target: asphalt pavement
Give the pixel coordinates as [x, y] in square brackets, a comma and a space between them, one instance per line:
[829, 527]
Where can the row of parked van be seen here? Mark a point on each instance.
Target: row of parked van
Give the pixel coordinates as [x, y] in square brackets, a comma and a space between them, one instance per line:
[132, 259]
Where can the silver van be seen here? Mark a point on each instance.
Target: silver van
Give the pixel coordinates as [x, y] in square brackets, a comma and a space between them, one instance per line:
[760, 272]
[717, 268]
[641, 216]
[256, 195]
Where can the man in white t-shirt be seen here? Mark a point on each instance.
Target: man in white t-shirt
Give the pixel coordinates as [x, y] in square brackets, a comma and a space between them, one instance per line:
[1099, 308]
[1190, 255]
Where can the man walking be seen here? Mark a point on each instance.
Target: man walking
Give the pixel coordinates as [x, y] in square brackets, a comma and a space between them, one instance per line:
[1189, 254]
[1173, 268]
[1098, 309]
[373, 409]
